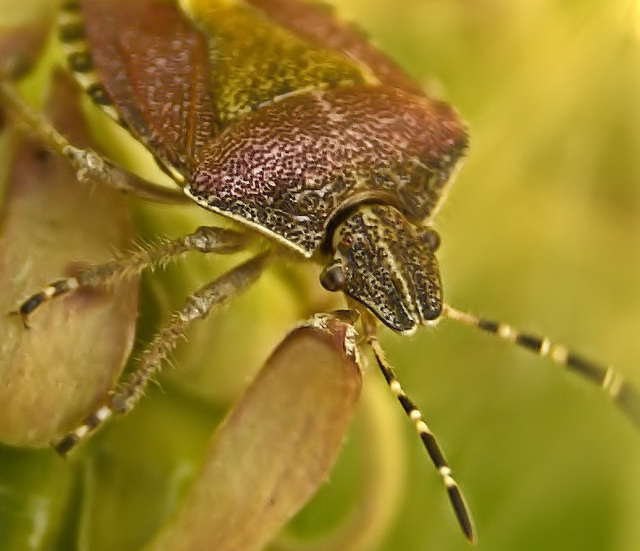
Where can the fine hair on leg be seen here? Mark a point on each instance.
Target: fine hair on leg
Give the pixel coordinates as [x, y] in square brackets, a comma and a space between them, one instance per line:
[206, 239]
[198, 306]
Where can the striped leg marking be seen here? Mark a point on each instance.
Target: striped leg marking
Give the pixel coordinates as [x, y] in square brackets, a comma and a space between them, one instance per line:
[205, 239]
[55, 289]
[198, 306]
[89, 424]
[623, 393]
[429, 440]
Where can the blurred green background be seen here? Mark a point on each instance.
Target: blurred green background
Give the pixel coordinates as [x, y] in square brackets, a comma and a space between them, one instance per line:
[541, 230]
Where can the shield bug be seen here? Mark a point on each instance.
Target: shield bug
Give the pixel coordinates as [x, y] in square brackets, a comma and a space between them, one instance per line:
[280, 118]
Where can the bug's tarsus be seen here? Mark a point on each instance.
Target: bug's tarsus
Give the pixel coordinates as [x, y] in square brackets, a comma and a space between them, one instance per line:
[24, 320]
[88, 425]
[206, 239]
[436, 454]
[623, 393]
[51, 291]
[198, 306]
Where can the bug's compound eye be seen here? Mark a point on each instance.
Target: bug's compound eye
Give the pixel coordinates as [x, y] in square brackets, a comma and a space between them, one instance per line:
[333, 278]
[431, 238]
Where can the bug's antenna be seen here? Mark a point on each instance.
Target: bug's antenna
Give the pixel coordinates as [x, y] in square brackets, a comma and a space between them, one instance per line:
[428, 439]
[623, 393]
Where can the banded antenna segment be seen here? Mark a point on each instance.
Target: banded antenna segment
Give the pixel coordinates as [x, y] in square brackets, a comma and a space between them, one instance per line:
[622, 392]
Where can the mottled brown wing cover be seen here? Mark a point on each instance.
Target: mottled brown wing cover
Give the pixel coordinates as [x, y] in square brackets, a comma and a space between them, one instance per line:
[290, 169]
[277, 113]
[154, 67]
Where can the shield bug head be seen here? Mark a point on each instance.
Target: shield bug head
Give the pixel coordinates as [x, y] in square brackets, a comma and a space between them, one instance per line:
[388, 265]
